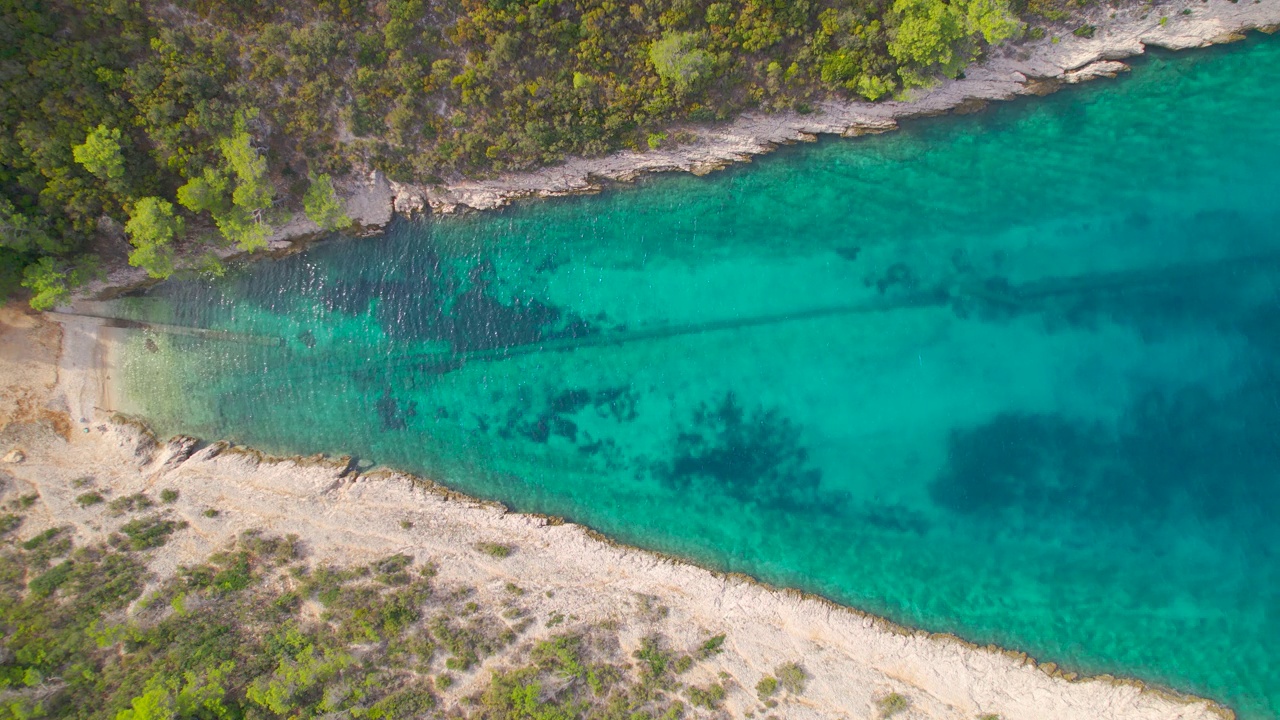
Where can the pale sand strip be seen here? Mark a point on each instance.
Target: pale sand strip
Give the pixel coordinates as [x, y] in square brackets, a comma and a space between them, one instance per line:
[853, 658]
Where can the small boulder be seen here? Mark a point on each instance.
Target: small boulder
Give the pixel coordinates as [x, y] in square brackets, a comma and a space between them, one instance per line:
[14, 457]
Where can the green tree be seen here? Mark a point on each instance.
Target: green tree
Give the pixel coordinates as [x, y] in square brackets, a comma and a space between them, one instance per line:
[151, 227]
[927, 33]
[236, 195]
[680, 60]
[100, 153]
[48, 282]
[155, 704]
[252, 195]
[241, 228]
[872, 87]
[206, 193]
[22, 232]
[322, 205]
[253, 190]
[279, 692]
[935, 35]
[190, 697]
[993, 19]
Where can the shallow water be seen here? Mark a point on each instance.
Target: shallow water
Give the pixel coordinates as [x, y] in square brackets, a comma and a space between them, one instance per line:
[1010, 375]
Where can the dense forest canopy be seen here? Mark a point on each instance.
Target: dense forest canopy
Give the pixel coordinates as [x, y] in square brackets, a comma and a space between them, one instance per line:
[207, 121]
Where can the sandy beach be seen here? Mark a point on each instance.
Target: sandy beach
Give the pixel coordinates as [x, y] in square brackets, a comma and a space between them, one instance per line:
[56, 380]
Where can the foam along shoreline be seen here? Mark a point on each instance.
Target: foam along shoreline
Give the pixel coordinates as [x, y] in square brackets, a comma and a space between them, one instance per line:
[853, 658]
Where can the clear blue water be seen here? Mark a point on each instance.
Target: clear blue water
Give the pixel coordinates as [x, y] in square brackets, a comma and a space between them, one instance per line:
[1011, 375]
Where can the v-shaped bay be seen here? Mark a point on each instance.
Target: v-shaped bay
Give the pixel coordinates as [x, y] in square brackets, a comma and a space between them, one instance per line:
[1011, 376]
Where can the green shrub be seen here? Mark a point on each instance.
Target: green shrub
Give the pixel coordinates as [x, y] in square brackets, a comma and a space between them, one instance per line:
[235, 575]
[405, 704]
[47, 583]
[129, 503]
[393, 570]
[148, 532]
[713, 646]
[681, 60]
[562, 655]
[467, 644]
[494, 549]
[85, 500]
[708, 698]
[322, 205]
[100, 153]
[1085, 31]
[767, 686]
[151, 228]
[655, 660]
[791, 677]
[42, 538]
[49, 281]
[9, 522]
[168, 495]
[892, 704]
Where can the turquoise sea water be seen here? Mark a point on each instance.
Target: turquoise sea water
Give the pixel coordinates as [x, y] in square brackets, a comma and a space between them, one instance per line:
[1011, 375]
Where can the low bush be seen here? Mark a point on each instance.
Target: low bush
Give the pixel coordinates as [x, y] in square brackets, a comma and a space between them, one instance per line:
[88, 499]
[136, 502]
[713, 646]
[892, 704]
[9, 522]
[766, 688]
[791, 677]
[709, 697]
[148, 532]
[494, 549]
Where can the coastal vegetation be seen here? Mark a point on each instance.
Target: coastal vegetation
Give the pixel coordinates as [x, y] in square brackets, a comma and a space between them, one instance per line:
[131, 130]
[893, 704]
[257, 631]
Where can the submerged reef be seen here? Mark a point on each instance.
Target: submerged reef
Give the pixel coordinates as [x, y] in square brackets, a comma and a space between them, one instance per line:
[1177, 456]
[749, 455]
